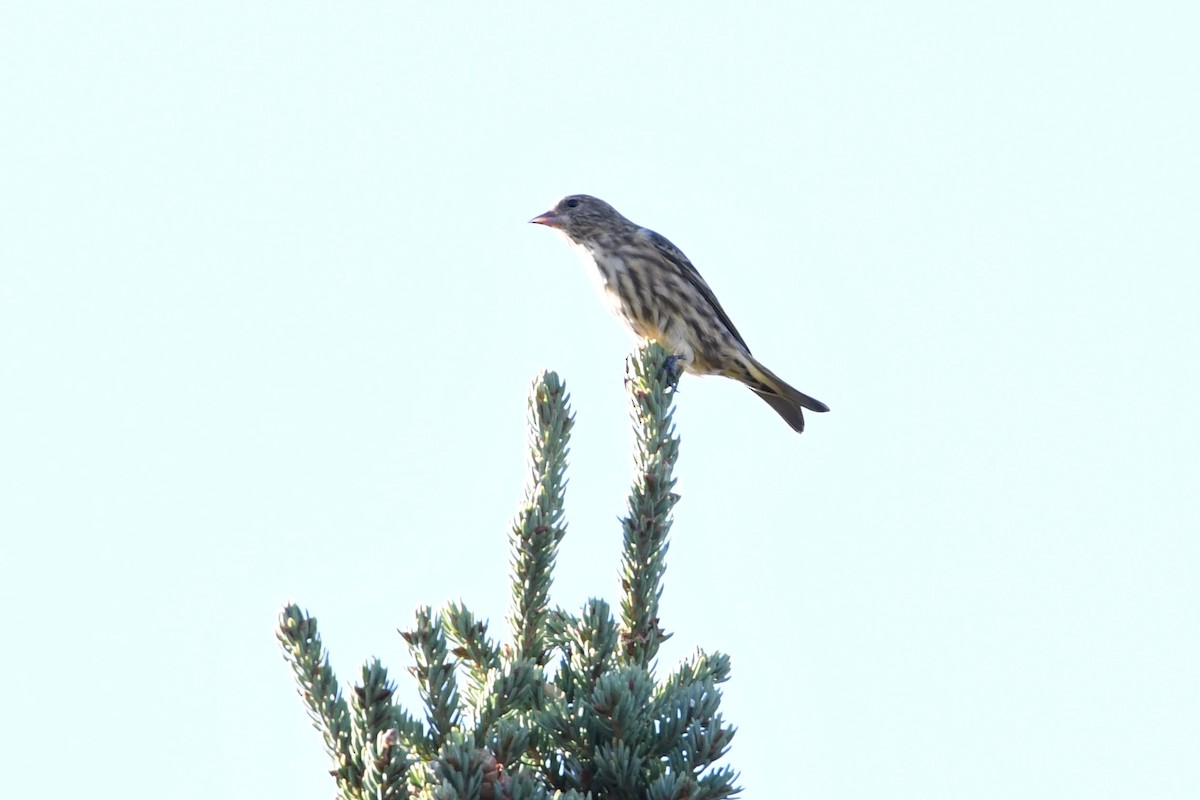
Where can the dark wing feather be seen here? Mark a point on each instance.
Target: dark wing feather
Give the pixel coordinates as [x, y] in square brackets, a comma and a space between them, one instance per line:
[676, 257]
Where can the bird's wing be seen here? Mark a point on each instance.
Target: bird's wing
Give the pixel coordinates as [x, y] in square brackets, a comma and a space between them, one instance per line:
[676, 257]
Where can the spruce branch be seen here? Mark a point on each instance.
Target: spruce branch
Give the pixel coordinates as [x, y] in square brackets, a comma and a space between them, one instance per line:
[318, 687]
[460, 769]
[538, 527]
[477, 653]
[412, 734]
[384, 757]
[650, 378]
[434, 672]
[588, 645]
[699, 667]
[514, 688]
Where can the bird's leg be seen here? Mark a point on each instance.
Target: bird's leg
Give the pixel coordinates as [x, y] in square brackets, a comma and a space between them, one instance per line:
[673, 367]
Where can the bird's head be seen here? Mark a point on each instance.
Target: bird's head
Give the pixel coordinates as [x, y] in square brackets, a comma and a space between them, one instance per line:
[581, 217]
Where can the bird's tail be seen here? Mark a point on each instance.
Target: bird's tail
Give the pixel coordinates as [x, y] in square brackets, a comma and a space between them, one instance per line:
[786, 401]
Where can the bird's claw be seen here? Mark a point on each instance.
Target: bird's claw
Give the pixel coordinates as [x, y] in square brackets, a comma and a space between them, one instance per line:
[672, 367]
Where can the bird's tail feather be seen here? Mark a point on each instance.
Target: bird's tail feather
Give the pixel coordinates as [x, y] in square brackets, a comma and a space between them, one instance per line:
[786, 401]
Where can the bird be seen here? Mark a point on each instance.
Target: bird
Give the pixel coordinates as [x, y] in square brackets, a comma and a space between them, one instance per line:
[656, 291]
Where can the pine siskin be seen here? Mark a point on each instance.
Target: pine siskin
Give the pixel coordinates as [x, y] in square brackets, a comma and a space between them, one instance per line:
[655, 290]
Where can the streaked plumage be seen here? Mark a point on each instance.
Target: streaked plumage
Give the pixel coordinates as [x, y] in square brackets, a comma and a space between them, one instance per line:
[653, 287]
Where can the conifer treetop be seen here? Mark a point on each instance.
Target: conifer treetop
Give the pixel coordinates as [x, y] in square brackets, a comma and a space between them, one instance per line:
[570, 708]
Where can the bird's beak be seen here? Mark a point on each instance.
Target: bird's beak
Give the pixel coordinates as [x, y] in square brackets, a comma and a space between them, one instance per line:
[549, 219]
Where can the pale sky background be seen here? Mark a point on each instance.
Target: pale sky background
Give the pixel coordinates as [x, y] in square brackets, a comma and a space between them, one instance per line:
[270, 308]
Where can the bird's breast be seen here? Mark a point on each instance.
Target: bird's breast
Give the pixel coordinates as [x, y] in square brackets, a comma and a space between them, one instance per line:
[607, 266]
[631, 289]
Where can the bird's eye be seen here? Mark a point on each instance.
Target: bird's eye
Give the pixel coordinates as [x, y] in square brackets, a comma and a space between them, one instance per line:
[573, 202]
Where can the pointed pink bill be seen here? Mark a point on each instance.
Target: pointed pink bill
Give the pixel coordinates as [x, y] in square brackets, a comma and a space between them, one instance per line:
[550, 219]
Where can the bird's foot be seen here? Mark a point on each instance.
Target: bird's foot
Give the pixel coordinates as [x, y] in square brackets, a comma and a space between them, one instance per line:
[672, 368]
